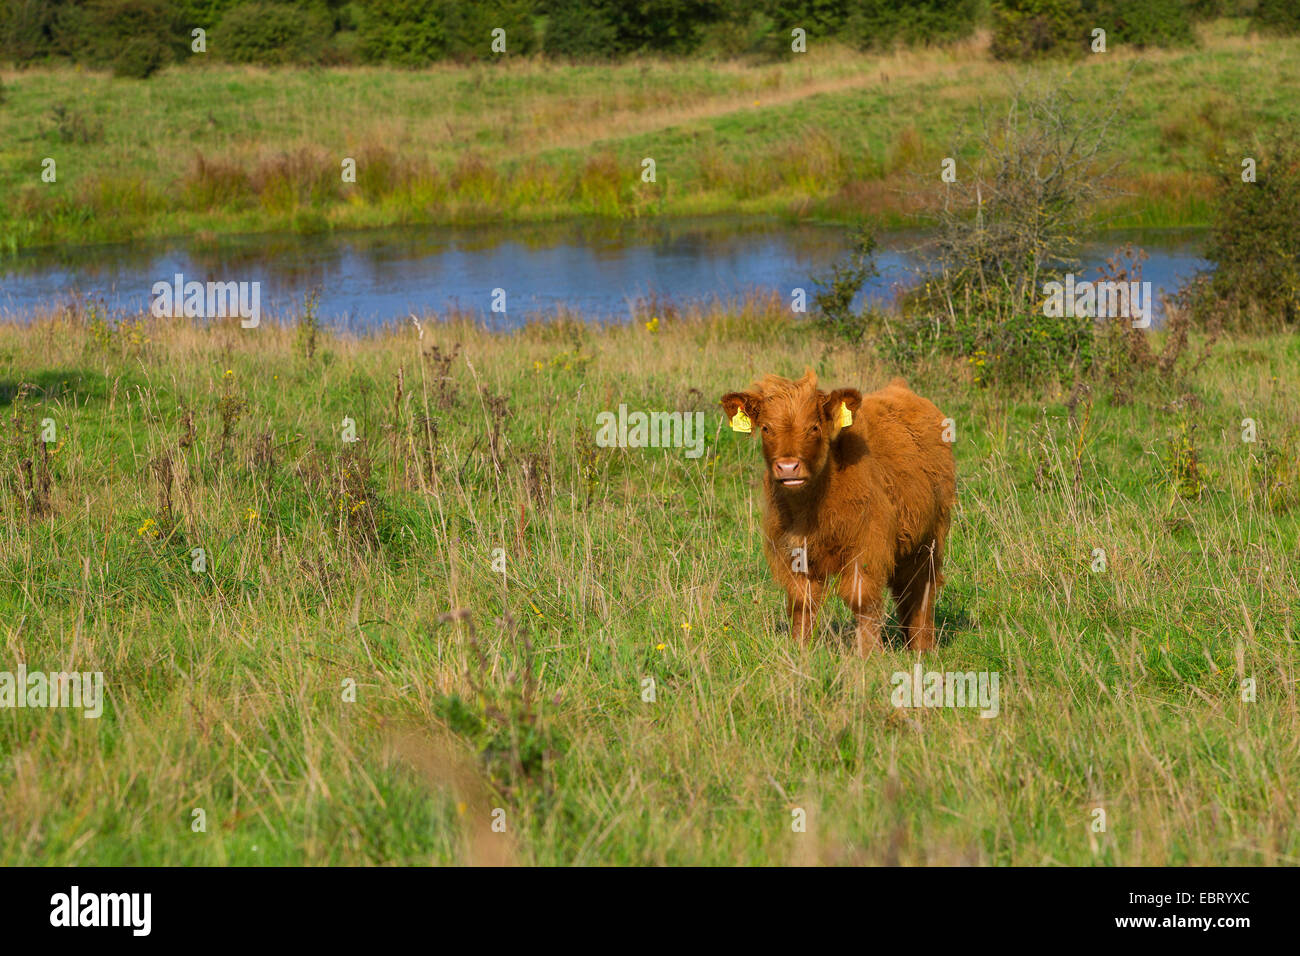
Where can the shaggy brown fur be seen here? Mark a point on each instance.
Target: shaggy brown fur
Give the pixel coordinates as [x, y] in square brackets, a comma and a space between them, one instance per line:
[869, 504]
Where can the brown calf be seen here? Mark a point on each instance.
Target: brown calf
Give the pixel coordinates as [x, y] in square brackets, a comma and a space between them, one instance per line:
[867, 501]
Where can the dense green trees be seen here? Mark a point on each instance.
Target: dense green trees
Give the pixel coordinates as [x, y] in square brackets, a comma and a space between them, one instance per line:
[144, 34]
[135, 37]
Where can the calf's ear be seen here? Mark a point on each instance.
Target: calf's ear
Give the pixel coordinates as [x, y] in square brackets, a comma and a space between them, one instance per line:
[839, 406]
[741, 409]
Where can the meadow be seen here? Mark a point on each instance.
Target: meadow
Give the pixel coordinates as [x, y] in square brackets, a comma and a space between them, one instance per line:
[352, 680]
[205, 149]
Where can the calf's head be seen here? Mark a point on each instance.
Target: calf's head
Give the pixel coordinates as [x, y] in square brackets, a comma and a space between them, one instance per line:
[797, 423]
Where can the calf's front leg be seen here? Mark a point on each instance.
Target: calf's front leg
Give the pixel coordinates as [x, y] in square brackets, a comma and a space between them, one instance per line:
[803, 598]
[864, 595]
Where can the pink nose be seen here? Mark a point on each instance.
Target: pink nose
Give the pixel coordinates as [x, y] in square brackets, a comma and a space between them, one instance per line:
[786, 468]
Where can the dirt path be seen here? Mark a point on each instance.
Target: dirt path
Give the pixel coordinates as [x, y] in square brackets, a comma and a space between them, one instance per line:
[850, 72]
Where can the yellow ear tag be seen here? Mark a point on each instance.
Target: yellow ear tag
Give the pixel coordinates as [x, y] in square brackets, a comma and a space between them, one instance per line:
[846, 416]
[740, 422]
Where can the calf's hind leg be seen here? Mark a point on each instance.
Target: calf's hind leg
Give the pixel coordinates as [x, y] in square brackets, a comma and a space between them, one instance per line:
[915, 586]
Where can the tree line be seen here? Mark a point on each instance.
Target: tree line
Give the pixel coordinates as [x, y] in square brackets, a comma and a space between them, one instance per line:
[137, 37]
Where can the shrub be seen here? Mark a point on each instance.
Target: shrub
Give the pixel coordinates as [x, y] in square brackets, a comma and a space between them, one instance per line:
[1000, 337]
[25, 27]
[1208, 9]
[1125, 360]
[269, 33]
[1159, 23]
[1010, 224]
[133, 37]
[72, 126]
[1025, 29]
[881, 23]
[836, 291]
[205, 14]
[660, 26]
[1253, 242]
[418, 32]
[742, 26]
[1277, 16]
[580, 29]
[743, 31]
[818, 17]
[1274, 476]
[139, 58]
[766, 27]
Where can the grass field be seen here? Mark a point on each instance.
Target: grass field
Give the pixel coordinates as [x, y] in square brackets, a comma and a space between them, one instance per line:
[476, 691]
[205, 149]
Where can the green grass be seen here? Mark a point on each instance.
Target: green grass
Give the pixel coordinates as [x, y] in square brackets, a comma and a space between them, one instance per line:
[327, 563]
[206, 149]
